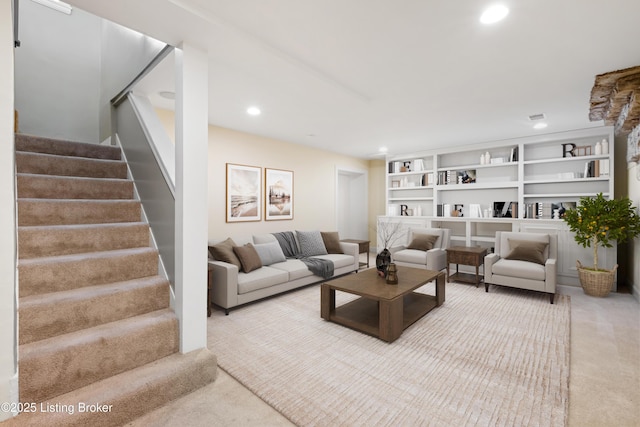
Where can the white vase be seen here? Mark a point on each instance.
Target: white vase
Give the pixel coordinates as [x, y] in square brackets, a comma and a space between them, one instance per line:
[487, 158]
[605, 146]
[598, 148]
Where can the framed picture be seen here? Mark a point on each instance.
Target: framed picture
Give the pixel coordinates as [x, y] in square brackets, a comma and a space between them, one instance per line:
[278, 197]
[244, 185]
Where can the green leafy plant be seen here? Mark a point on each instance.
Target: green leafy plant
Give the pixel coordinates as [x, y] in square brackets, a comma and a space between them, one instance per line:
[600, 222]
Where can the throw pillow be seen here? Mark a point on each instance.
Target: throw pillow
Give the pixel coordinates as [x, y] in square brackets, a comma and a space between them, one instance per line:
[248, 257]
[331, 241]
[525, 250]
[311, 243]
[223, 251]
[269, 253]
[423, 242]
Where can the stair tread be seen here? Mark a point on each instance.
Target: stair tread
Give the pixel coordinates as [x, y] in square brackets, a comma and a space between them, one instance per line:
[84, 292]
[40, 144]
[71, 177]
[96, 333]
[82, 256]
[70, 158]
[131, 393]
[80, 226]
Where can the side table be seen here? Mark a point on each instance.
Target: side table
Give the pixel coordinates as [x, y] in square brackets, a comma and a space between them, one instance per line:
[465, 255]
[363, 247]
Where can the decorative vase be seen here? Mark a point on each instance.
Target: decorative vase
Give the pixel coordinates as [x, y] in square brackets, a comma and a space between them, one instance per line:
[392, 274]
[383, 260]
[596, 283]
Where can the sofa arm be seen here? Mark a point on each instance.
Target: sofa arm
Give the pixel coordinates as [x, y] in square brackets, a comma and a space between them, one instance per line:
[224, 289]
[489, 261]
[550, 274]
[352, 249]
[436, 259]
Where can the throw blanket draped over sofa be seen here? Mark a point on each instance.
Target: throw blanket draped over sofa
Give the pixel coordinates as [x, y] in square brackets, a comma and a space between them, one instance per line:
[318, 266]
[246, 269]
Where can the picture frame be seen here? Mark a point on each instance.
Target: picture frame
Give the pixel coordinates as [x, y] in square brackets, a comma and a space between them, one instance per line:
[243, 195]
[278, 194]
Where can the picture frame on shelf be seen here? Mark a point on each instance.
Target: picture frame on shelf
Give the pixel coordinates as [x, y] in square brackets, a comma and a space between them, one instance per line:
[243, 194]
[278, 194]
[395, 183]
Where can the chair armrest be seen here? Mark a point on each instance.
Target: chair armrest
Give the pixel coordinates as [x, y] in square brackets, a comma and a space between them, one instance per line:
[436, 259]
[489, 261]
[550, 274]
[224, 289]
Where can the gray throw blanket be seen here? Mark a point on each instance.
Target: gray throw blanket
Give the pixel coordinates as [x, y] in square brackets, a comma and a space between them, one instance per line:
[318, 266]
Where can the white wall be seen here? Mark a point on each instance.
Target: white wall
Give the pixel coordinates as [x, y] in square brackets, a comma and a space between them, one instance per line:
[8, 347]
[70, 67]
[124, 53]
[314, 181]
[57, 84]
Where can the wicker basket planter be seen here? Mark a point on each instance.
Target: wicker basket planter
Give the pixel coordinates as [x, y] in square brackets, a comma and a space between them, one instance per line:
[596, 283]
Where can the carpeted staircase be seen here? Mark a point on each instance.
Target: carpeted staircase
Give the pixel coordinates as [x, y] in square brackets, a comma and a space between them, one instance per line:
[95, 325]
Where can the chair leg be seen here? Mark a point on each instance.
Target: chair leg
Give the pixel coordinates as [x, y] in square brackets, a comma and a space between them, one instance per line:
[551, 297]
[486, 287]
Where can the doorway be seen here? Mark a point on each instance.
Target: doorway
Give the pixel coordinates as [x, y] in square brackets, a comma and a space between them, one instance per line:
[352, 203]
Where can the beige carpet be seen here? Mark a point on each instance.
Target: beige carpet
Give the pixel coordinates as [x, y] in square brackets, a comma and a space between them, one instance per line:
[483, 359]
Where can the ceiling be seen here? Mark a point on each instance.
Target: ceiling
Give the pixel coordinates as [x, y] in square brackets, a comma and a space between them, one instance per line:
[352, 76]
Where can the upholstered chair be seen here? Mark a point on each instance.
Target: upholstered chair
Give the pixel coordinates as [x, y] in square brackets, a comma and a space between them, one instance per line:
[523, 260]
[426, 248]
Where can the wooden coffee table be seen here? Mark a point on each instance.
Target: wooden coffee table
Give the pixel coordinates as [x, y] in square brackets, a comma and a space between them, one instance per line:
[383, 310]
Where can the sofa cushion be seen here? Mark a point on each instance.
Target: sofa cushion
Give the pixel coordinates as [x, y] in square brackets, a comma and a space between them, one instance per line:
[248, 257]
[264, 238]
[331, 241]
[261, 278]
[519, 269]
[311, 243]
[422, 242]
[223, 251]
[339, 260]
[526, 250]
[269, 253]
[294, 267]
[413, 256]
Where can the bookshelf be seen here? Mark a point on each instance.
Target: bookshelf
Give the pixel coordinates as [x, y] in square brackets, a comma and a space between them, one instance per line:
[520, 184]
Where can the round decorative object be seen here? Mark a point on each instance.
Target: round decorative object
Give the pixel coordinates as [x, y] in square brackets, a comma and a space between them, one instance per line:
[383, 260]
[596, 283]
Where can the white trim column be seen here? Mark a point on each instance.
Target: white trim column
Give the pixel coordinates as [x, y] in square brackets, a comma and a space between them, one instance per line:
[8, 253]
[191, 195]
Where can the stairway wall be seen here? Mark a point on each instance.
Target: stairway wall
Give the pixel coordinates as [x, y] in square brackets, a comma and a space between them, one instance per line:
[8, 340]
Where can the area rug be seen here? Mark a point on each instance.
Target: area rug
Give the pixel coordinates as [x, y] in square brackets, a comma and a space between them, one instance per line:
[482, 359]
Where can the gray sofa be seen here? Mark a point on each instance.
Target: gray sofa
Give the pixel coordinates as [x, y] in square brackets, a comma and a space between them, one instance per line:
[232, 286]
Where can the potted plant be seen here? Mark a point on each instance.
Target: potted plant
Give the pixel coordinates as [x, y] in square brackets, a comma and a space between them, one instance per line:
[601, 222]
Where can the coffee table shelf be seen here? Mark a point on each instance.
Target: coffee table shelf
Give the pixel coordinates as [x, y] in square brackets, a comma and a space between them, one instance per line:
[383, 311]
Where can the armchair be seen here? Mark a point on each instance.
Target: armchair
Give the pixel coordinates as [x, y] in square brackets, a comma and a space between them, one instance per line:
[426, 248]
[523, 260]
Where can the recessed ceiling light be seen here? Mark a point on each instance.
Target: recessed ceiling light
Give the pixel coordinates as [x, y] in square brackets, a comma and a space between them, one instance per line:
[253, 111]
[383, 149]
[167, 94]
[493, 14]
[540, 125]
